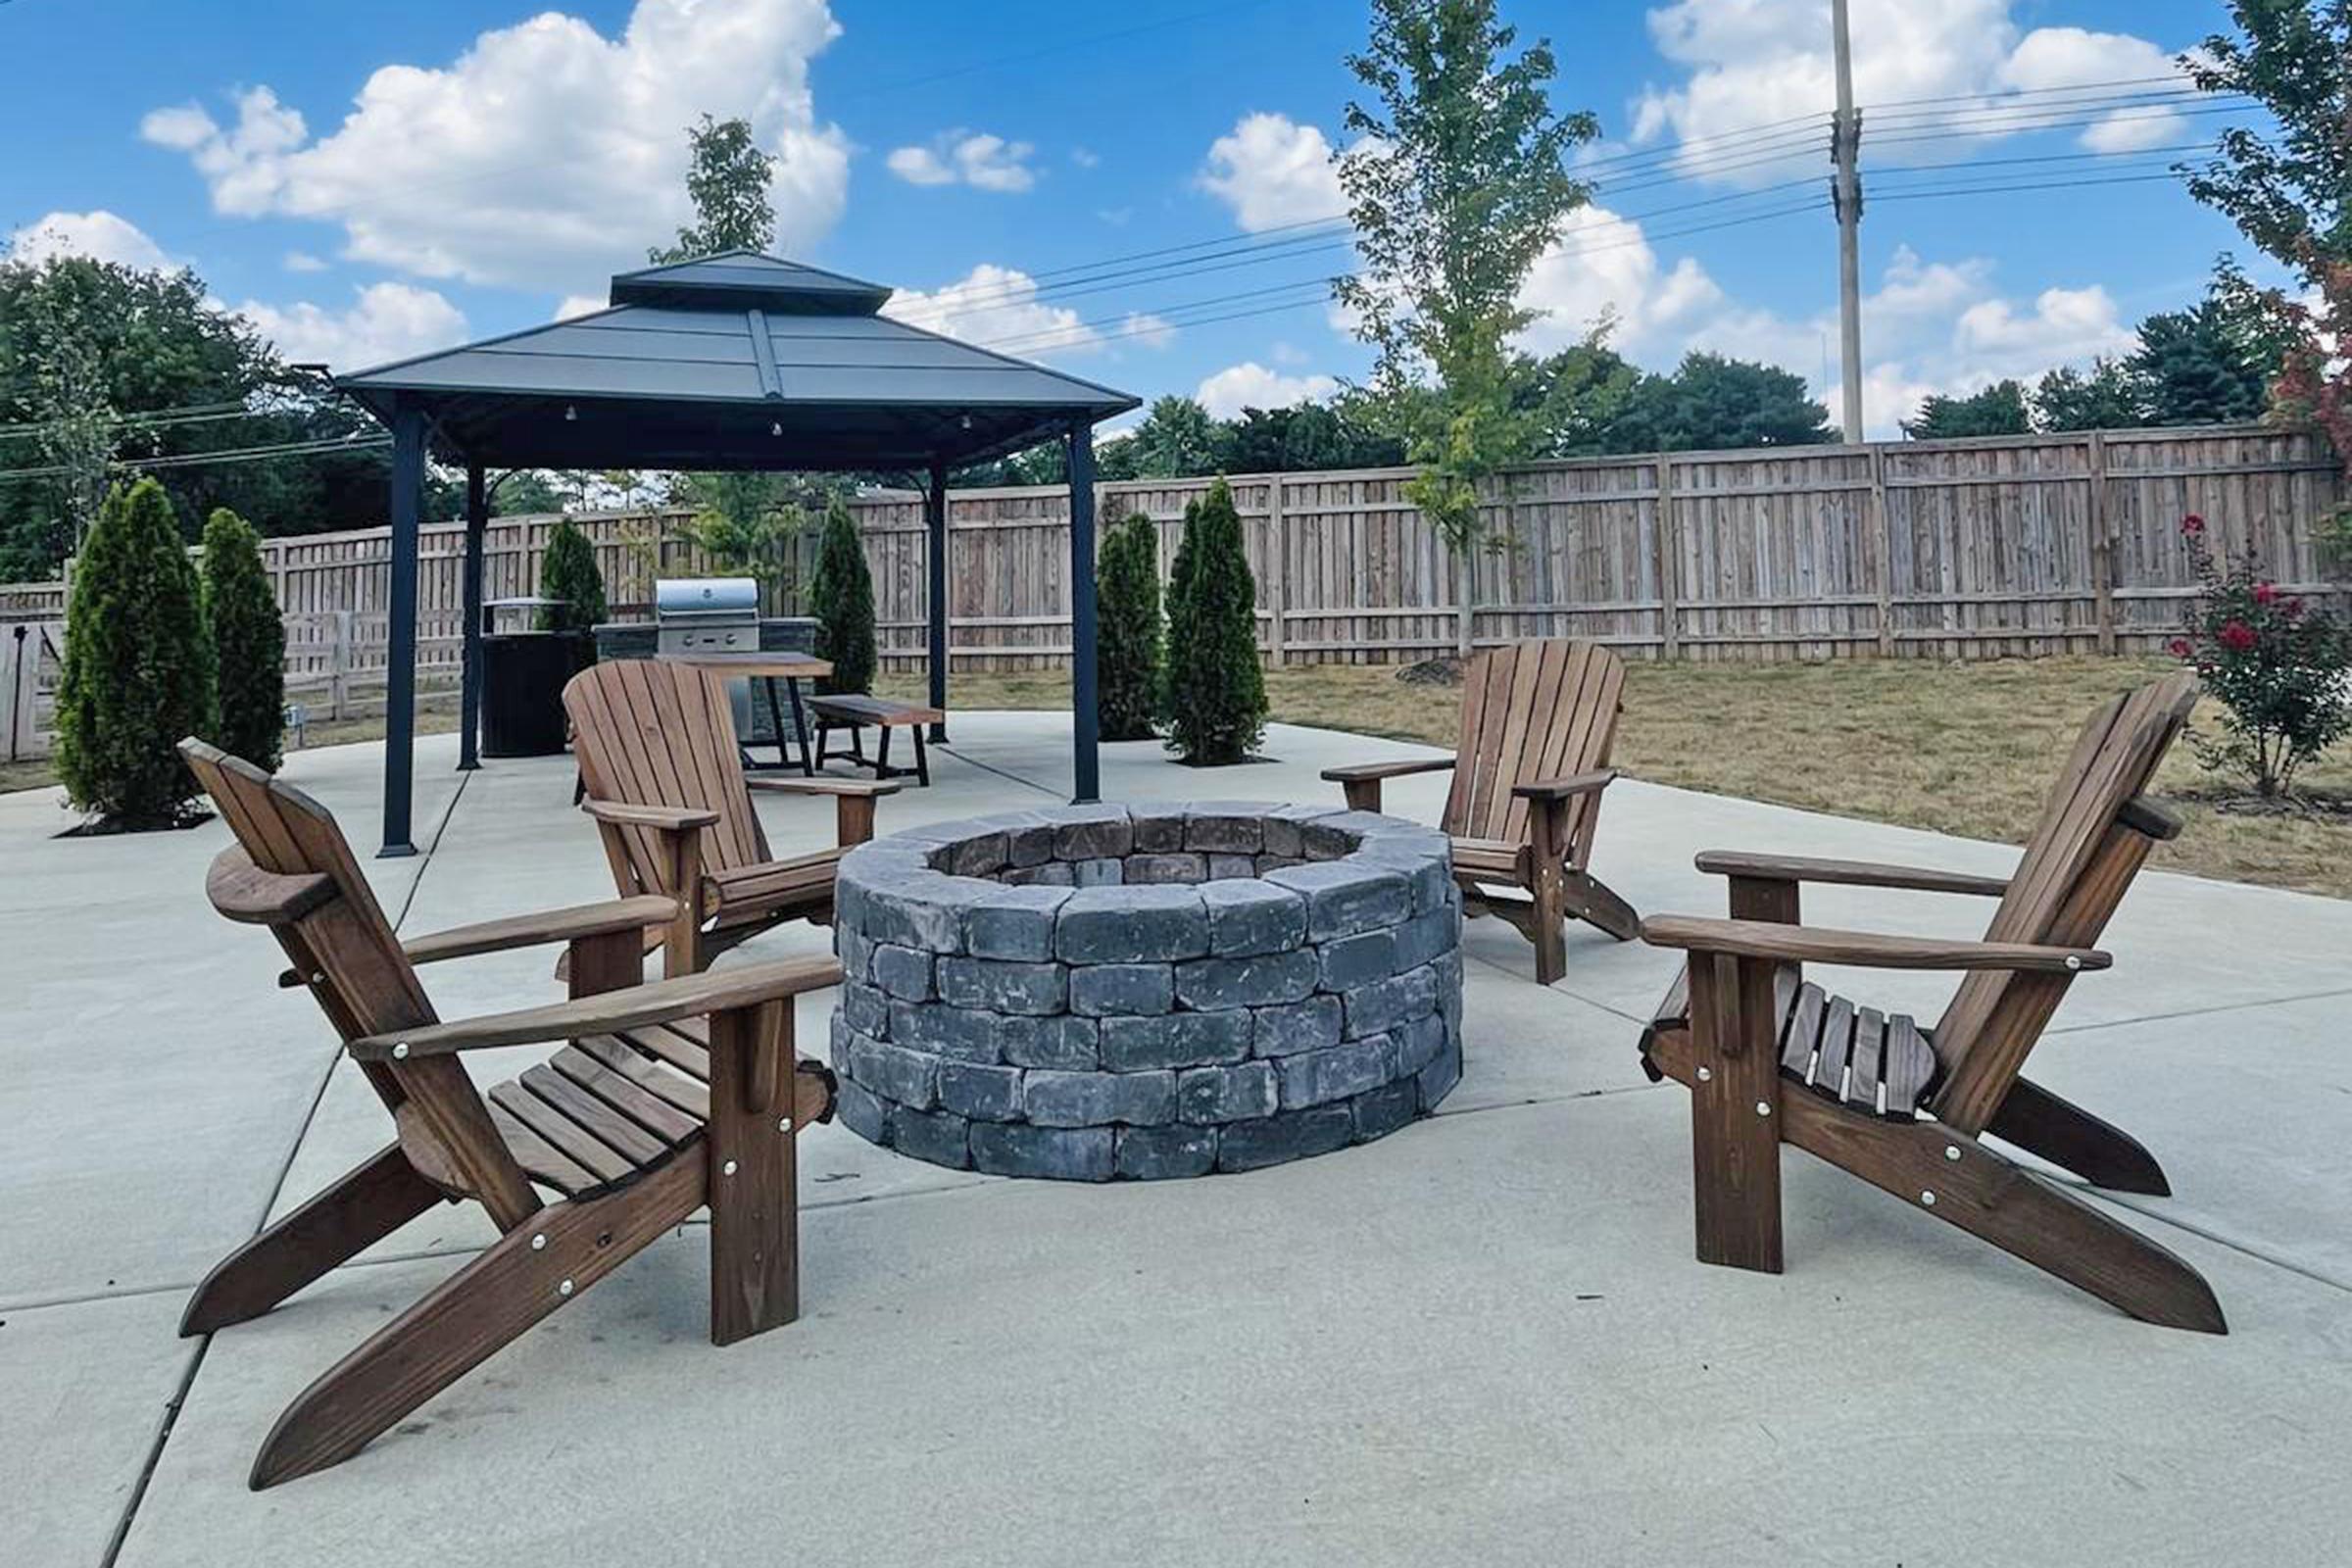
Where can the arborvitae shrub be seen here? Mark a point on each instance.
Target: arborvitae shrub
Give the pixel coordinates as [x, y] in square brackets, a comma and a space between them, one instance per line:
[1216, 693]
[842, 593]
[139, 670]
[1127, 653]
[249, 641]
[568, 570]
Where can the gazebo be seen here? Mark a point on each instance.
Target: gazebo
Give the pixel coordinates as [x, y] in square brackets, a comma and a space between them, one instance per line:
[732, 362]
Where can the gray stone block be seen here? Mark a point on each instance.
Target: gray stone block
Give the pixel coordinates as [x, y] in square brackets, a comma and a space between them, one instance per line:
[1012, 922]
[1274, 862]
[1247, 918]
[945, 1031]
[1057, 1153]
[1130, 925]
[1363, 959]
[1089, 832]
[1424, 859]
[1374, 1008]
[1209, 1095]
[1209, 985]
[1051, 874]
[1178, 1040]
[1098, 1098]
[1314, 1077]
[921, 909]
[1283, 828]
[1031, 844]
[1159, 1153]
[1381, 1111]
[981, 855]
[940, 1137]
[1000, 985]
[1107, 872]
[1426, 935]
[1308, 1025]
[854, 951]
[982, 1093]
[1165, 868]
[902, 972]
[861, 1113]
[838, 1035]
[1225, 827]
[1419, 1042]
[1437, 1079]
[866, 1009]
[893, 1072]
[1345, 897]
[1159, 829]
[1228, 867]
[1066, 1043]
[1289, 1135]
[1103, 989]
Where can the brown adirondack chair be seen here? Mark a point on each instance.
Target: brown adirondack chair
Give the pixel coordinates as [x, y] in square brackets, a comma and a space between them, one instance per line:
[1772, 1058]
[657, 753]
[1538, 721]
[666, 1098]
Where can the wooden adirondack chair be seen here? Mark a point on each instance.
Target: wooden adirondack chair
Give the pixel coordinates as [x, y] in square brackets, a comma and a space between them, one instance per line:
[1771, 1059]
[667, 1096]
[1538, 721]
[656, 748]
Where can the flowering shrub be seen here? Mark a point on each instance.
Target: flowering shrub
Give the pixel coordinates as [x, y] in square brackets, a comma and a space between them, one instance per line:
[2281, 668]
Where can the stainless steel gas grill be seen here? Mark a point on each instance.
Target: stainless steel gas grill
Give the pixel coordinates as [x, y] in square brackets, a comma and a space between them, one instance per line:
[716, 623]
[706, 616]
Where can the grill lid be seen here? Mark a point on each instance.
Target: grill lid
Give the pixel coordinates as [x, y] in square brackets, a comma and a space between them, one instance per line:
[706, 595]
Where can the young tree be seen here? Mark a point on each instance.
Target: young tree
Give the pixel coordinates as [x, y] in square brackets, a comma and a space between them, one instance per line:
[1216, 692]
[1997, 409]
[1176, 439]
[249, 641]
[2197, 369]
[842, 592]
[726, 175]
[77, 429]
[1456, 183]
[568, 570]
[1711, 403]
[138, 668]
[2109, 397]
[1127, 657]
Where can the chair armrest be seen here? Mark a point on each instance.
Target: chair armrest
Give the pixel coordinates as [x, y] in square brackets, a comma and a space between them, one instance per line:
[667, 818]
[1797, 943]
[539, 929]
[1359, 772]
[1851, 873]
[693, 996]
[1559, 789]
[820, 786]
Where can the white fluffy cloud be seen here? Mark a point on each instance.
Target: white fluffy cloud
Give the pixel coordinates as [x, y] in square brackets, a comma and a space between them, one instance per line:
[968, 157]
[98, 234]
[1250, 385]
[385, 322]
[1757, 63]
[546, 155]
[1601, 269]
[998, 307]
[1270, 169]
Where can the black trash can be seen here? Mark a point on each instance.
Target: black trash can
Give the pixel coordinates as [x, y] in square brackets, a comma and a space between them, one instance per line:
[522, 680]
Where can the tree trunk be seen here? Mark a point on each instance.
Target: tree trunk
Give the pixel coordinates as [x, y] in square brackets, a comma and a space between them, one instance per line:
[1466, 568]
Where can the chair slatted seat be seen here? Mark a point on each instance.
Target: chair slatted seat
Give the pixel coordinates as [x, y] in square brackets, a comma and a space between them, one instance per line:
[1904, 1107]
[663, 776]
[649, 1092]
[1539, 719]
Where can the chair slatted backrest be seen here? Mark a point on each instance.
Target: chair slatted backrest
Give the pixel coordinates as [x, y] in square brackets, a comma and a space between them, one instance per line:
[1533, 711]
[652, 732]
[2068, 882]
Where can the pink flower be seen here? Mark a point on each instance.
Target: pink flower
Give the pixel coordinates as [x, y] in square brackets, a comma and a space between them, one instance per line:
[2238, 636]
[2265, 592]
[2179, 648]
[2193, 524]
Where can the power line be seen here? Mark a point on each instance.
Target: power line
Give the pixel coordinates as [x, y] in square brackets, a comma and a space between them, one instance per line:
[200, 460]
[1915, 194]
[2027, 92]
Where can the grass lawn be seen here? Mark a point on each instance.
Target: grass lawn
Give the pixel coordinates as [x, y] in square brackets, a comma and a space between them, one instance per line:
[1965, 748]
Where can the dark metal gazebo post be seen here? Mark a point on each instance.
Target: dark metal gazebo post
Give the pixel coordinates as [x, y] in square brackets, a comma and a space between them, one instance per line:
[934, 520]
[1085, 766]
[400, 668]
[469, 701]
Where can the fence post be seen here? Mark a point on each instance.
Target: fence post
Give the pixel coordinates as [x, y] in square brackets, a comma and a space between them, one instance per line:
[1882, 529]
[2102, 544]
[1278, 558]
[338, 665]
[1669, 557]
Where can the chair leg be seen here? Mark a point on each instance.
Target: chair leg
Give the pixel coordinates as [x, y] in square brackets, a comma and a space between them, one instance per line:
[2072, 1138]
[468, 1317]
[1547, 926]
[755, 1203]
[361, 1208]
[1591, 899]
[1734, 1113]
[1960, 1180]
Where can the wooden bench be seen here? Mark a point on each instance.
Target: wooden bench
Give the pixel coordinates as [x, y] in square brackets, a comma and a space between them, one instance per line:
[853, 711]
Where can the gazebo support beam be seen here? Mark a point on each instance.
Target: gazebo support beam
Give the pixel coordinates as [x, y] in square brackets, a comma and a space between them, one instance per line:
[934, 520]
[1085, 766]
[470, 703]
[399, 666]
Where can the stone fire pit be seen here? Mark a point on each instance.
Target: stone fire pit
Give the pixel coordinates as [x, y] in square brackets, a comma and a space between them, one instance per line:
[1096, 992]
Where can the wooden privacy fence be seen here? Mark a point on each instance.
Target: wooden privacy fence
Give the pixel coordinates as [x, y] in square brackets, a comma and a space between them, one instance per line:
[2004, 545]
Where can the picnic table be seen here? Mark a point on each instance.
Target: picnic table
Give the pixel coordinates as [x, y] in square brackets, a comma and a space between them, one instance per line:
[853, 711]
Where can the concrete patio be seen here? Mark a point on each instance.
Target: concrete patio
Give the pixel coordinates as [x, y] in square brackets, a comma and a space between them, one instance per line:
[1482, 1339]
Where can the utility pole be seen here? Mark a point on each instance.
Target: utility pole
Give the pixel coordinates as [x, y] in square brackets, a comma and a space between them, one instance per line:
[1845, 193]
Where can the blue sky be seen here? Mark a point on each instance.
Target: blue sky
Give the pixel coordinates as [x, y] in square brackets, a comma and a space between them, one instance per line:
[373, 180]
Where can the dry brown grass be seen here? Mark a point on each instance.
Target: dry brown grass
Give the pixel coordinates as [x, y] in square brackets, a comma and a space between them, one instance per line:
[1965, 748]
